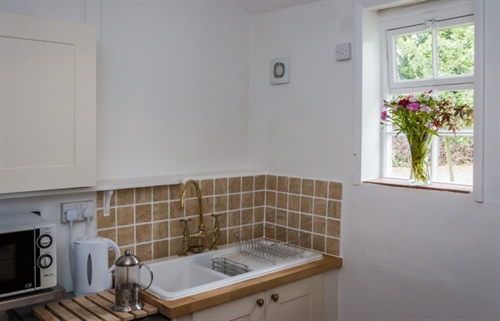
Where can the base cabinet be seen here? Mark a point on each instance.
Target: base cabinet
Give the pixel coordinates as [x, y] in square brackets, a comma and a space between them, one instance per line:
[300, 300]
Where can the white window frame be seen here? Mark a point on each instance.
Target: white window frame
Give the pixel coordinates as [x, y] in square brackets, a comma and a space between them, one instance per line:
[367, 97]
[389, 30]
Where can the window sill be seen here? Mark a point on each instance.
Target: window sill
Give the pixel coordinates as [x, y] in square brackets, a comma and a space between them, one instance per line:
[434, 186]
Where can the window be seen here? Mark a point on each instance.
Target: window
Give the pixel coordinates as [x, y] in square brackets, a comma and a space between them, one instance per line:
[430, 50]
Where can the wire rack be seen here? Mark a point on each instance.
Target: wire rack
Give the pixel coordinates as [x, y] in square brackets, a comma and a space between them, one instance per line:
[267, 243]
[228, 267]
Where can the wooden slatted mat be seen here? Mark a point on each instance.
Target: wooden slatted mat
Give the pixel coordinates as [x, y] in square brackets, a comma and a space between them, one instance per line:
[92, 307]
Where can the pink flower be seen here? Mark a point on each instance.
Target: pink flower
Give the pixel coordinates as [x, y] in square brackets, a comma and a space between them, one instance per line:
[413, 106]
[383, 115]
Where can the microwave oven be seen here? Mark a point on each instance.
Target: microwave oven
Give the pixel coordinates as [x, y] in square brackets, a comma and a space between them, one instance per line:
[27, 254]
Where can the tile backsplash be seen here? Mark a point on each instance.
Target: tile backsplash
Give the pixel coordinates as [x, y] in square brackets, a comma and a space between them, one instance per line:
[147, 220]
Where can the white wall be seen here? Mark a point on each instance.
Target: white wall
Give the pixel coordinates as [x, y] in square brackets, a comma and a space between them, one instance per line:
[409, 254]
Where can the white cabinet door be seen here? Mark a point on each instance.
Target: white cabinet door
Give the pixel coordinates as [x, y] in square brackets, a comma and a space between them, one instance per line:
[301, 300]
[47, 104]
[244, 309]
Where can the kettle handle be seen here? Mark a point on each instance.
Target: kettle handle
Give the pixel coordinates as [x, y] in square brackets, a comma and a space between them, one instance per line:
[150, 272]
[112, 245]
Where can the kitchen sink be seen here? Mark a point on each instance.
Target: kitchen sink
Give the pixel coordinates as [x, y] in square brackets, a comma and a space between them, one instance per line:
[179, 277]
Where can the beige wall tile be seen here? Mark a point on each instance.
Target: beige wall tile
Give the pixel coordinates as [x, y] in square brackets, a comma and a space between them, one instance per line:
[221, 203]
[247, 200]
[258, 214]
[234, 185]
[333, 228]
[125, 215]
[125, 196]
[271, 183]
[234, 218]
[295, 185]
[321, 189]
[106, 221]
[223, 220]
[143, 233]
[307, 187]
[220, 186]
[282, 201]
[247, 184]
[294, 203]
[223, 237]
[175, 191]
[144, 251]
[293, 220]
[160, 230]
[192, 207]
[207, 187]
[175, 246]
[247, 216]
[319, 225]
[332, 246]
[335, 190]
[260, 182]
[160, 211]
[176, 227]
[281, 217]
[270, 198]
[319, 206]
[283, 184]
[270, 215]
[175, 209]
[306, 222]
[143, 195]
[143, 213]
[334, 209]
[125, 236]
[99, 199]
[306, 204]
[160, 249]
[160, 193]
[234, 201]
[208, 204]
[259, 198]
[318, 243]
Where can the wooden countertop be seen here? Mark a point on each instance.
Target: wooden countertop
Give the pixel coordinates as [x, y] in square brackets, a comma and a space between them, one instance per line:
[188, 305]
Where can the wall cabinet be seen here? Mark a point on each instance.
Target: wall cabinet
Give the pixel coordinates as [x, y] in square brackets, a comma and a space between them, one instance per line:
[300, 300]
[47, 104]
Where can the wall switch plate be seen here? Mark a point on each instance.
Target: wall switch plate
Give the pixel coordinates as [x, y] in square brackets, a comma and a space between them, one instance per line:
[80, 207]
[280, 70]
[343, 51]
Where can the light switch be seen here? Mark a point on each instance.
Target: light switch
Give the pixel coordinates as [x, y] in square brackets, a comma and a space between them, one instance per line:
[343, 51]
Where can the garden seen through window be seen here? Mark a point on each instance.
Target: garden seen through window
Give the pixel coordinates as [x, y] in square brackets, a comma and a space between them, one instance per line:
[436, 56]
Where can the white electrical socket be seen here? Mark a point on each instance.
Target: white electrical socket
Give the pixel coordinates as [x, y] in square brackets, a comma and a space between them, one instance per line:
[80, 207]
[343, 51]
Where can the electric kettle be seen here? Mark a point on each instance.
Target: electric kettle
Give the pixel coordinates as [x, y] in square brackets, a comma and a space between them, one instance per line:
[92, 273]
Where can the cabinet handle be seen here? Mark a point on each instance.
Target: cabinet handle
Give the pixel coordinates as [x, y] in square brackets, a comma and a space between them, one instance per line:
[260, 302]
[275, 297]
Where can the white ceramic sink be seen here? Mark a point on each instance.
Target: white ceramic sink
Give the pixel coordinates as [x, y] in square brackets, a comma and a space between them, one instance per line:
[178, 277]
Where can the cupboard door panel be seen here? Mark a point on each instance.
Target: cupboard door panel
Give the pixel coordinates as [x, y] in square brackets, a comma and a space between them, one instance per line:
[244, 309]
[47, 104]
[301, 300]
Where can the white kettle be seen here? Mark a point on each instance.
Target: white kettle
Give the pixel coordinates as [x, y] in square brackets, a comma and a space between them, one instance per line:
[92, 273]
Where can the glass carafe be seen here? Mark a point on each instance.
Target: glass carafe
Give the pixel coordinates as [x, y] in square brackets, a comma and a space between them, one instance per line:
[127, 283]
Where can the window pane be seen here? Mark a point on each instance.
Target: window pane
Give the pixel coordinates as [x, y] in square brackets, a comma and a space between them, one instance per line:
[456, 156]
[456, 51]
[401, 158]
[414, 56]
[461, 97]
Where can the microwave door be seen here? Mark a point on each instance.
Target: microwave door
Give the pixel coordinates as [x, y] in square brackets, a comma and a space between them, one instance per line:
[17, 262]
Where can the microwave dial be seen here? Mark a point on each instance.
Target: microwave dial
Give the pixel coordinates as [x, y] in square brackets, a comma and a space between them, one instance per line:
[44, 261]
[44, 241]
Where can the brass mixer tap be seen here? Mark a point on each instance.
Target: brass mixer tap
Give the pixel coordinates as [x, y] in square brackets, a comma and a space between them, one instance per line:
[202, 232]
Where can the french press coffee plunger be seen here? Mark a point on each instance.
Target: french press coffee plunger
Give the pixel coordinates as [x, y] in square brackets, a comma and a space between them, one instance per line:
[127, 283]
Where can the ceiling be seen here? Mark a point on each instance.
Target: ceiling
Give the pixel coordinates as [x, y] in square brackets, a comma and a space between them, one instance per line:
[255, 7]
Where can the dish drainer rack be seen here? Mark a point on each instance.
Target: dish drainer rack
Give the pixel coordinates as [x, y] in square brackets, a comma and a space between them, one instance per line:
[228, 267]
[266, 243]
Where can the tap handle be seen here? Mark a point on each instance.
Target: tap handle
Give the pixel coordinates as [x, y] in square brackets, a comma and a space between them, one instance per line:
[216, 218]
[185, 221]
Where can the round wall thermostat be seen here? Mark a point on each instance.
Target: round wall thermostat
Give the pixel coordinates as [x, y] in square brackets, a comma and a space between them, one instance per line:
[280, 70]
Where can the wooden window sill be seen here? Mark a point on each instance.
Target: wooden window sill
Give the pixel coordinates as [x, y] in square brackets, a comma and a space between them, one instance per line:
[434, 186]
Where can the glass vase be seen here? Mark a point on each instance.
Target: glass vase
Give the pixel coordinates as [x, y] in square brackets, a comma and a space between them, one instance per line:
[420, 145]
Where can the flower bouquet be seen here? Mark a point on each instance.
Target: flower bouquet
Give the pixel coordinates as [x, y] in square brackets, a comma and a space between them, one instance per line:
[419, 117]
